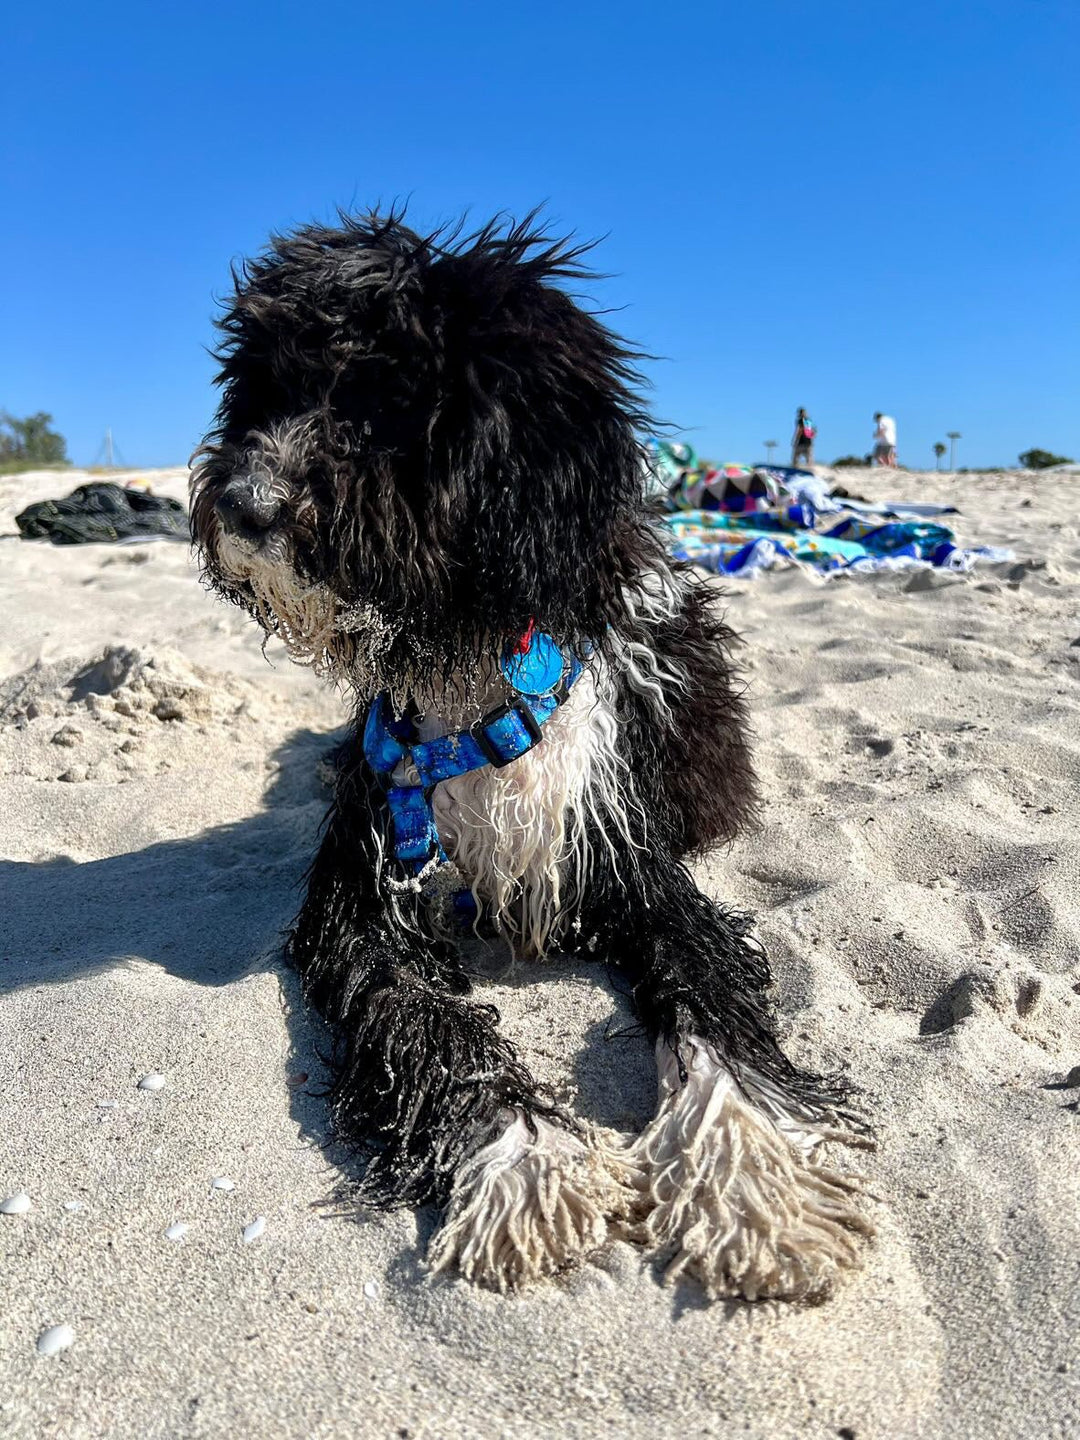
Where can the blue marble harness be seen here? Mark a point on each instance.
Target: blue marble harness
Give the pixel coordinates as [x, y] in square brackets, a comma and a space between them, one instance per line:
[540, 675]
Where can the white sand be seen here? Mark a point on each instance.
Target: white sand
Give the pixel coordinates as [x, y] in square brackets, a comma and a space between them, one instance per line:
[917, 880]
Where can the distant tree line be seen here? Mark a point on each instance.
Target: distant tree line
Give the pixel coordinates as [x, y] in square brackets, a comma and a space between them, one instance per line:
[30, 442]
[1029, 460]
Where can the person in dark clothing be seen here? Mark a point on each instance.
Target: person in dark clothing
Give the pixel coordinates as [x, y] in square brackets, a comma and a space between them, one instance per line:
[802, 442]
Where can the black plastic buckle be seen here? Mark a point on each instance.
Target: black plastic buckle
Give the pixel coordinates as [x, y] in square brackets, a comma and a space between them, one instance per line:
[486, 745]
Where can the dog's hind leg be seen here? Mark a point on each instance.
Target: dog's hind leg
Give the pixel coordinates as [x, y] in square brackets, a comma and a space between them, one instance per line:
[724, 1176]
[425, 1084]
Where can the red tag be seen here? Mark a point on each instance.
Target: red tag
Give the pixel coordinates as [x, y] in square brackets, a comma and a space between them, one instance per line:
[525, 643]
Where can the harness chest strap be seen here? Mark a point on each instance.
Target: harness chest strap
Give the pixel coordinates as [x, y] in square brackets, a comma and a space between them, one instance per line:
[502, 735]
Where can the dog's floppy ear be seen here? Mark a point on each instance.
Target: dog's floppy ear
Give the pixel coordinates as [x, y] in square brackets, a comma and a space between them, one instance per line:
[536, 431]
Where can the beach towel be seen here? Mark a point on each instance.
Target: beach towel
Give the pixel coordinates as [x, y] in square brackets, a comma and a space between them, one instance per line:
[742, 519]
[748, 544]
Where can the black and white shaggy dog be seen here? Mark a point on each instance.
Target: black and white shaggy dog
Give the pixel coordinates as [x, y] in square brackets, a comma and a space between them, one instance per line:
[426, 478]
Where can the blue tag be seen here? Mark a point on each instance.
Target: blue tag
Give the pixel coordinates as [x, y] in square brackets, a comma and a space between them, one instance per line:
[536, 670]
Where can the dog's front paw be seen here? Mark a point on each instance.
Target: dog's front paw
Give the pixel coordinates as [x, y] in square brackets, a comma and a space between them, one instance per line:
[526, 1205]
[735, 1192]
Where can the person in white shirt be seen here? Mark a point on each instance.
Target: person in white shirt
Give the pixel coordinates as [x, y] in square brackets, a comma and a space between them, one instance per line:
[884, 440]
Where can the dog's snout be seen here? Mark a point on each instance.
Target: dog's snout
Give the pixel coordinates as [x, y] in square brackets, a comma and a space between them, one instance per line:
[246, 504]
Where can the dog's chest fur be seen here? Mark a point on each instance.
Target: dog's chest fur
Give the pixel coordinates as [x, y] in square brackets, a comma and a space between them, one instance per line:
[521, 836]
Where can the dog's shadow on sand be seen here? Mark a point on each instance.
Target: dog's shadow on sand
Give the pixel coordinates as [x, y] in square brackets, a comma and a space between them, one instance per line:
[213, 907]
[206, 908]
[209, 908]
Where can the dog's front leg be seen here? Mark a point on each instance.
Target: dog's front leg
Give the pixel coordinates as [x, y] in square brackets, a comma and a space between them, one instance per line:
[424, 1082]
[724, 1174]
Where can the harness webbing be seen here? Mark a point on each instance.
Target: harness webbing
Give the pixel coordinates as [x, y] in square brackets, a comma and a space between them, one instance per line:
[501, 736]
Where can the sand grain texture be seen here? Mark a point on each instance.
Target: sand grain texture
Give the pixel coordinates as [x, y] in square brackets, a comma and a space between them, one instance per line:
[916, 877]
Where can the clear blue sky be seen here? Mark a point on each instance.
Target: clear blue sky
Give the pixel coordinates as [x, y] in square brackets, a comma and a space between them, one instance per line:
[842, 204]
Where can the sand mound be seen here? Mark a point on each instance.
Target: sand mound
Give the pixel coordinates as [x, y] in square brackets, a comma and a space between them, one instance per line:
[125, 681]
[126, 712]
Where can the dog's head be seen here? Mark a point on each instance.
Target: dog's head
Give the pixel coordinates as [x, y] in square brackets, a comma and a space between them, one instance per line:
[423, 445]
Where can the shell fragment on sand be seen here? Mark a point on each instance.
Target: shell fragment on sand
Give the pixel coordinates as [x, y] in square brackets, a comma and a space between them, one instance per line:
[177, 1230]
[255, 1229]
[17, 1204]
[152, 1082]
[55, 1339]
[222, 1182]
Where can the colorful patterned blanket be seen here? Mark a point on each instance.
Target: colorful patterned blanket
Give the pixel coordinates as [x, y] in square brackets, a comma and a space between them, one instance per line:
[740, 519]
[736, 544]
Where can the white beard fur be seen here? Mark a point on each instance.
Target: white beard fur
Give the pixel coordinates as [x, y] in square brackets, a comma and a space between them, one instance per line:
[317, 629]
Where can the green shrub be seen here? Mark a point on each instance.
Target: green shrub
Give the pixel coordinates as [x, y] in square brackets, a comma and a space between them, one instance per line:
[1042, 459]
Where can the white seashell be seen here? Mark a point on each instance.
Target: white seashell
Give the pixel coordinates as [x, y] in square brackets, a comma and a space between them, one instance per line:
[255, 1229]
[222, 1182]
[153, 1081]
[107, 1104]
[55, 1339]
[73, 1205]
[16, 1204]
[176, 1231]
[371, 1289]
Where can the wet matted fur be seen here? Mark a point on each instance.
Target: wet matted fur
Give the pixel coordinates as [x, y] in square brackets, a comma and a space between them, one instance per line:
[426, 446]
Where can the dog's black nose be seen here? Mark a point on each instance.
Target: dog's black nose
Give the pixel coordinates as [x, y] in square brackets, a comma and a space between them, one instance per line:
[246, 505]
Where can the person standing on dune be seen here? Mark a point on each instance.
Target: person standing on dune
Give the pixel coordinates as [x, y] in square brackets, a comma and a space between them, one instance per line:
[802, 442]
[884, 440]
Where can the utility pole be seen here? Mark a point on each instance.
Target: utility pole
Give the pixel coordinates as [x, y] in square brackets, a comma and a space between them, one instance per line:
[107, 450]
[770, 446]
[953, 436]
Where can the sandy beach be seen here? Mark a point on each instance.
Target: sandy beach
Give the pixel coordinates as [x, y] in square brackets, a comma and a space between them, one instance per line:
[916, 879]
